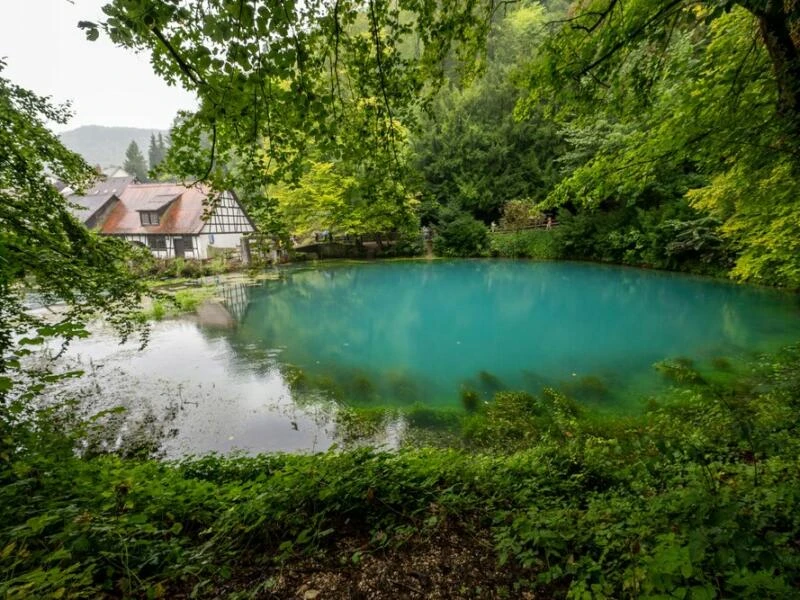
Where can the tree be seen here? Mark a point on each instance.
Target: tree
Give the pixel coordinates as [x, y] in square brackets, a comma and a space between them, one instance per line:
[155, 152]
[134, 162]
[602, 33]
[162, 148]
[672, 105]
[42, 246]
[470, 150]
[272, 76]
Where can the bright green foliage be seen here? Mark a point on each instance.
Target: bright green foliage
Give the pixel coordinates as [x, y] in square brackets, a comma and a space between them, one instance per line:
[669, 103]
[762, 215]
[532, 243]
[134, 162]
[324, 199]
[273, 77]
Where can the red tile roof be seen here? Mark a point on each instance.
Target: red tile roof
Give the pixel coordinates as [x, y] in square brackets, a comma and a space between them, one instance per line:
[183, 215]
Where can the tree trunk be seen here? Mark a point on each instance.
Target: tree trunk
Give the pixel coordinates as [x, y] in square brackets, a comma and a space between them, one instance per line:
[775, 25]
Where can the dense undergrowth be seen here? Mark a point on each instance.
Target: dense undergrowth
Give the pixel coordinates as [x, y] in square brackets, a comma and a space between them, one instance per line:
[698, 497]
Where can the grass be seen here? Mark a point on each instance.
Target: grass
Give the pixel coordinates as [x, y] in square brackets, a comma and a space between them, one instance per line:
[170, 303]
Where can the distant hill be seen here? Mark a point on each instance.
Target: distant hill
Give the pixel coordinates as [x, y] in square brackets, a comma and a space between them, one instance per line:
[105, 146]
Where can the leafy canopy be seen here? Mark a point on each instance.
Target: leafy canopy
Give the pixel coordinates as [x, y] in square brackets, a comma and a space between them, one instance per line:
[670, 101]
[273, 76]
[43, 247]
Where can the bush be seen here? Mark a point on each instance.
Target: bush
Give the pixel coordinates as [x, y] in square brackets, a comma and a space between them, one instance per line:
[671, 236]
[408, 243]
[533, 243]
[520, 213]
[463, 236]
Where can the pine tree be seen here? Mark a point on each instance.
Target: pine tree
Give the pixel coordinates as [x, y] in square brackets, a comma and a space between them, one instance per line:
[134, 162]
[153, 153]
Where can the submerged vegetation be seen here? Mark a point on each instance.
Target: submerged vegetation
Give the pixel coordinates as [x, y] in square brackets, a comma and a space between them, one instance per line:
[698, 496]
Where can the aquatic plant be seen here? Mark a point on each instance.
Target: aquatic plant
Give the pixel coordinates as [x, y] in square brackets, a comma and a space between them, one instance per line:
[721, 363]
[588, 387]
[294, 377]
[489, 382]
[470, 399]
[679, 370]
[158, 310]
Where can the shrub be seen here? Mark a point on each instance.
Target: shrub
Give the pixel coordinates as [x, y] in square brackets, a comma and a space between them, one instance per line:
[158, 311]
[520, 213]
[408, 243]
[697, 497]
[463, 236]
[533, 243]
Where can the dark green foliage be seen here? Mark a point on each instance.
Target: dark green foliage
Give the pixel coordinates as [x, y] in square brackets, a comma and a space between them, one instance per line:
[134, 162]
[156, 152]
[698, 497]
[104, 146]
[408, 243]
[43, 246]
[470, 399]
[654, 237]
[679, 370]
[462, 236]
[470, 151]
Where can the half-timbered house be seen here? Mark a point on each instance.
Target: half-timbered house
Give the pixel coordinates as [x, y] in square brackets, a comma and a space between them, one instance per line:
[170, 219]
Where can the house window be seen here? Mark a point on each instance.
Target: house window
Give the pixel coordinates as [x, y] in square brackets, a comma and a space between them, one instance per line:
[149, 217]
[187, 243]
[157, 242]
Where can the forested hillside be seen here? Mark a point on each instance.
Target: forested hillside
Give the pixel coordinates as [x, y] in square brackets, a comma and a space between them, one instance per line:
[106, 146]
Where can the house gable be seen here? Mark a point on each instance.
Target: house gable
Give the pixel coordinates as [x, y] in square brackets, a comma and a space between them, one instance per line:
[228, 216]
[92, 210]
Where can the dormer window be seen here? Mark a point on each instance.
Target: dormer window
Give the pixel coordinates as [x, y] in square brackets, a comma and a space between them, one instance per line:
[149, 217]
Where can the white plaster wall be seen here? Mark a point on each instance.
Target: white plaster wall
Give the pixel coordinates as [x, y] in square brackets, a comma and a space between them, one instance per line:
[201, 248]
[225, 240]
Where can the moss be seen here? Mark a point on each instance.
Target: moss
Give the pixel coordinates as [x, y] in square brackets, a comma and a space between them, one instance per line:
[588, 387]
[361, 387]
[431, 418]
[401, 386]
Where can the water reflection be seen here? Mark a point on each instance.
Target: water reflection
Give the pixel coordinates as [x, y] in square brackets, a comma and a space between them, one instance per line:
[267, 367]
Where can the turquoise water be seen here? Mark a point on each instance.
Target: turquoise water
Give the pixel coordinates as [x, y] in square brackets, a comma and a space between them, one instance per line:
[271, 368]
[395, 333]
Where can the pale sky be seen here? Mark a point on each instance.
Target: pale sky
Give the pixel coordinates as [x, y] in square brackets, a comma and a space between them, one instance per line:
[107, 85]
